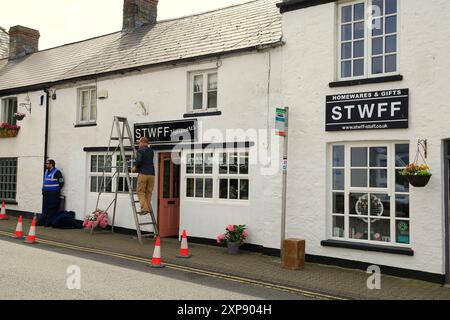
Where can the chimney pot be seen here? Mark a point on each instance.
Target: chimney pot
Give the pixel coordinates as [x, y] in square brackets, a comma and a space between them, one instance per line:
[137, 13]
[22, 41]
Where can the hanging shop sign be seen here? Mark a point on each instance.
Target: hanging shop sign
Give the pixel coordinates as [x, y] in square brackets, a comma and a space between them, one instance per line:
[167, 131]
[280, 122]
[387, 109]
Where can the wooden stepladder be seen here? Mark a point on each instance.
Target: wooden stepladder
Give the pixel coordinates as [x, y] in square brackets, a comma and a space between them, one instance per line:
[121, 133]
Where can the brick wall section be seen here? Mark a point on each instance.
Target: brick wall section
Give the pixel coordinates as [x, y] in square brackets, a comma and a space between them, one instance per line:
[22, 41]
[139, 12]
[4, 43]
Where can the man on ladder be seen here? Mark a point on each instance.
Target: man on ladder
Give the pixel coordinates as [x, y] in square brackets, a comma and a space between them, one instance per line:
[146, 180]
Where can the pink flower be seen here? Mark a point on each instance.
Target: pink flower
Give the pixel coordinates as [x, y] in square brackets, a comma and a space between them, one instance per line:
[103, 224]
[85, 223]
[89, 225]
[245, 233]
[220, 238]
[231, 228]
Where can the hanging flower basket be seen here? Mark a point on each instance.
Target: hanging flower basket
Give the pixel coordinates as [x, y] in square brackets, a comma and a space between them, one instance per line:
[419, 181]
[418, 175]
[19, 116]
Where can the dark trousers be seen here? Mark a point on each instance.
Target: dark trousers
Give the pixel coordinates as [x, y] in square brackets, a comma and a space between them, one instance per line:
[50, 207]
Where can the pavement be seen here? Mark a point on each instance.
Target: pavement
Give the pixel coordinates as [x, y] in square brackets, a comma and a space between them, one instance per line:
[328, 281]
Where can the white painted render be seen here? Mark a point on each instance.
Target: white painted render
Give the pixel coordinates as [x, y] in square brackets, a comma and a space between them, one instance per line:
[245, 104]
[309, 65]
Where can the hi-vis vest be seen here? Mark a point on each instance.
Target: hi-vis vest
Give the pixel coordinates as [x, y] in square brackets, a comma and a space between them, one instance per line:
[50, 183]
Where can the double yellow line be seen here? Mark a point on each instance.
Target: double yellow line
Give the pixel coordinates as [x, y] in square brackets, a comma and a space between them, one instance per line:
[247, 281]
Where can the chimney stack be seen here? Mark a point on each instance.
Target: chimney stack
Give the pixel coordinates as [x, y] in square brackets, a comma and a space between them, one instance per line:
[22, 41]
[137, 13]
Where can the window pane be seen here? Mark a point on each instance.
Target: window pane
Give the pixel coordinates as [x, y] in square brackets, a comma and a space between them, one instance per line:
[208, 188]
[378, 178]
[380, 205]
[378, 157]
[223, 189]
[377, 46]
[199, 163]
[338, 227]
[401, 183]
[391, 24]
[338, 203]
[190, 163]
[108, 184]
[190, 188]
[380, 230]
[208, 163]
[358, 229]
[338, 179]
[84, 113]
[358, 204]
[358, 49]
[166, 179]
[377, 27]
[223, 163]
[338, 156]
[212, 100]
[199, 188]
[346, 50]
[234, 189]
[401, 206]
[377, 65]
[93, 163]
[346, 69]
[93, 106]
[391, 6]
[378, 8]
[346, 14]
[94, 184]
[243, 163]
[212, 82]
[358, 11]
[101, 163]
[243, 189]
[198, 101]
[198, 83]
[402, 231]
[346, 32]
[358, 67]
[391, 63]
[391, 44]
[401, 155]
[233, 165]
[359, 157]
[359, 178]
[358, 30]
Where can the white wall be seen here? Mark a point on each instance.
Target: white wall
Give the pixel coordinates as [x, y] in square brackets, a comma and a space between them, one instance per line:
[244, 102]
[309, 65]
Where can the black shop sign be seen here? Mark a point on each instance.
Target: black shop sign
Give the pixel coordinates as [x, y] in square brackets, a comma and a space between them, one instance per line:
[167, 131]
[368, 110]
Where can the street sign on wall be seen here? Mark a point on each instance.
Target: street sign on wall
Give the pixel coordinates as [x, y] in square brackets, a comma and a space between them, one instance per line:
[387, 109]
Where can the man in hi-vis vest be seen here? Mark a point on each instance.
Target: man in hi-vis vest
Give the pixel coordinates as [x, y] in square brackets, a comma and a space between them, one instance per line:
[51, 190]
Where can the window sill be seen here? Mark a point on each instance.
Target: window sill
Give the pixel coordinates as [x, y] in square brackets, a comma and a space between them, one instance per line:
[202, 114]
[82, 125]
[357, 82]
[367, 247]
[13, 202]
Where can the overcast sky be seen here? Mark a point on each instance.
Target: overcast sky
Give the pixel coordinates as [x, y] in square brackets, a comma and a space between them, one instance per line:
[65, 21]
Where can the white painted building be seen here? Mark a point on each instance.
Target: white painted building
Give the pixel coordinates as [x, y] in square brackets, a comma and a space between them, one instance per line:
[230, 69]
[331, 51]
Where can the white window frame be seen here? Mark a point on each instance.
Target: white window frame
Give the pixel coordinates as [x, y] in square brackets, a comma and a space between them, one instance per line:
[79, 105]
[8, 178]
[216, 176]
[97, 173]
[367, 43]
[4, 112]
[199, 175]
[390, 191]
[205, 75]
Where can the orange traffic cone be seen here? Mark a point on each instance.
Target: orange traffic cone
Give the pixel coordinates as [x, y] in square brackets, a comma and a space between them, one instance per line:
[19, 230]
[156, 260]
[184, 250]
[3, 215]
[31, 238]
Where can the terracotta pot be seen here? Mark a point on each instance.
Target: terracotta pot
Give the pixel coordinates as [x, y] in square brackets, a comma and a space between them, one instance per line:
[233, 247]
[419, 181]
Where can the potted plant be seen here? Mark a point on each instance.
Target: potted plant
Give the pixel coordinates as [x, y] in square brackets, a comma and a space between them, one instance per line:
[234, 236]
[96, 219]
[8, 131]
[19, 116]
[417, 175]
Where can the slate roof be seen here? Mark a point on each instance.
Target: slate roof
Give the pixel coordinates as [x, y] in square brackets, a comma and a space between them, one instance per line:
[4, 44]
[249, 25]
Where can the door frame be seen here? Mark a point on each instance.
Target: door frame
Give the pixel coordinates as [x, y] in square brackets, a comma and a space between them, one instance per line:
[446, 209]
[160, 180]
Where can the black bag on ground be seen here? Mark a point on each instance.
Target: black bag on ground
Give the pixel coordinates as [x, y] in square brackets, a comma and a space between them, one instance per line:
[66, 220]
